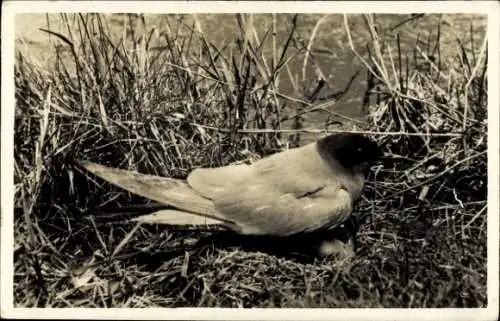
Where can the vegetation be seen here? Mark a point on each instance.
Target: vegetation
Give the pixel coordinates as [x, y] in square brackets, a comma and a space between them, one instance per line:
[170, 99]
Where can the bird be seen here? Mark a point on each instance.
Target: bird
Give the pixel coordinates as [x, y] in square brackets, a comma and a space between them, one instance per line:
[300, 190]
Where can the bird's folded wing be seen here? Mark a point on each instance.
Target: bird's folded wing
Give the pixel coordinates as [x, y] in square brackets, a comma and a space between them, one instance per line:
[265, 211]
[126, 179]
[209, 181]
[173, 192]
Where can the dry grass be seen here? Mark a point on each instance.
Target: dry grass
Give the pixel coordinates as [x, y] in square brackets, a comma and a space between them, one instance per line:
[167, 109]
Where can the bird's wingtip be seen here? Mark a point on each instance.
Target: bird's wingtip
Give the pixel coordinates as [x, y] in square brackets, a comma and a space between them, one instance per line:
[82, 162]
[90, 166]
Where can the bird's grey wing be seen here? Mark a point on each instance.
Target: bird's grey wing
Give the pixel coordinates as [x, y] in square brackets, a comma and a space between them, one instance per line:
[264, 210]
[283, 194]
[297, 170]
[210, 181]
[173, 192]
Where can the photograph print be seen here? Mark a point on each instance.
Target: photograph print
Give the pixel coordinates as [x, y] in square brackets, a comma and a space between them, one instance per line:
[250, 160]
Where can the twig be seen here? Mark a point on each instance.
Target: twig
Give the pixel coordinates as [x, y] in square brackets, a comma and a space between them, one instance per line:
[476, 216]
[473, 74]
[356, 53]
[413, 17]
[325, 131]
[309, 45]
[437, 176]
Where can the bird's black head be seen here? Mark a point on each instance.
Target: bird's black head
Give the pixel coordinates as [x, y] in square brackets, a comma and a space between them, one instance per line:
[349, 149]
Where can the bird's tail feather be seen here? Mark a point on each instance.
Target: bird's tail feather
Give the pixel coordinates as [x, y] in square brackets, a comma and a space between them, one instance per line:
[174, 192]
[175, 217]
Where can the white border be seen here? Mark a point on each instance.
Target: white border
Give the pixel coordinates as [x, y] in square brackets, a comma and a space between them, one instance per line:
[254, 6]
[9, 8]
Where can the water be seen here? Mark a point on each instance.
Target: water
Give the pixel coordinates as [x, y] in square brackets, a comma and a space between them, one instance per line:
[332, 52]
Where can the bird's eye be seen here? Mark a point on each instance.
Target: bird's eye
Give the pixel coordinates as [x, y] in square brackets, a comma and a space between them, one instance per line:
[359, 150]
